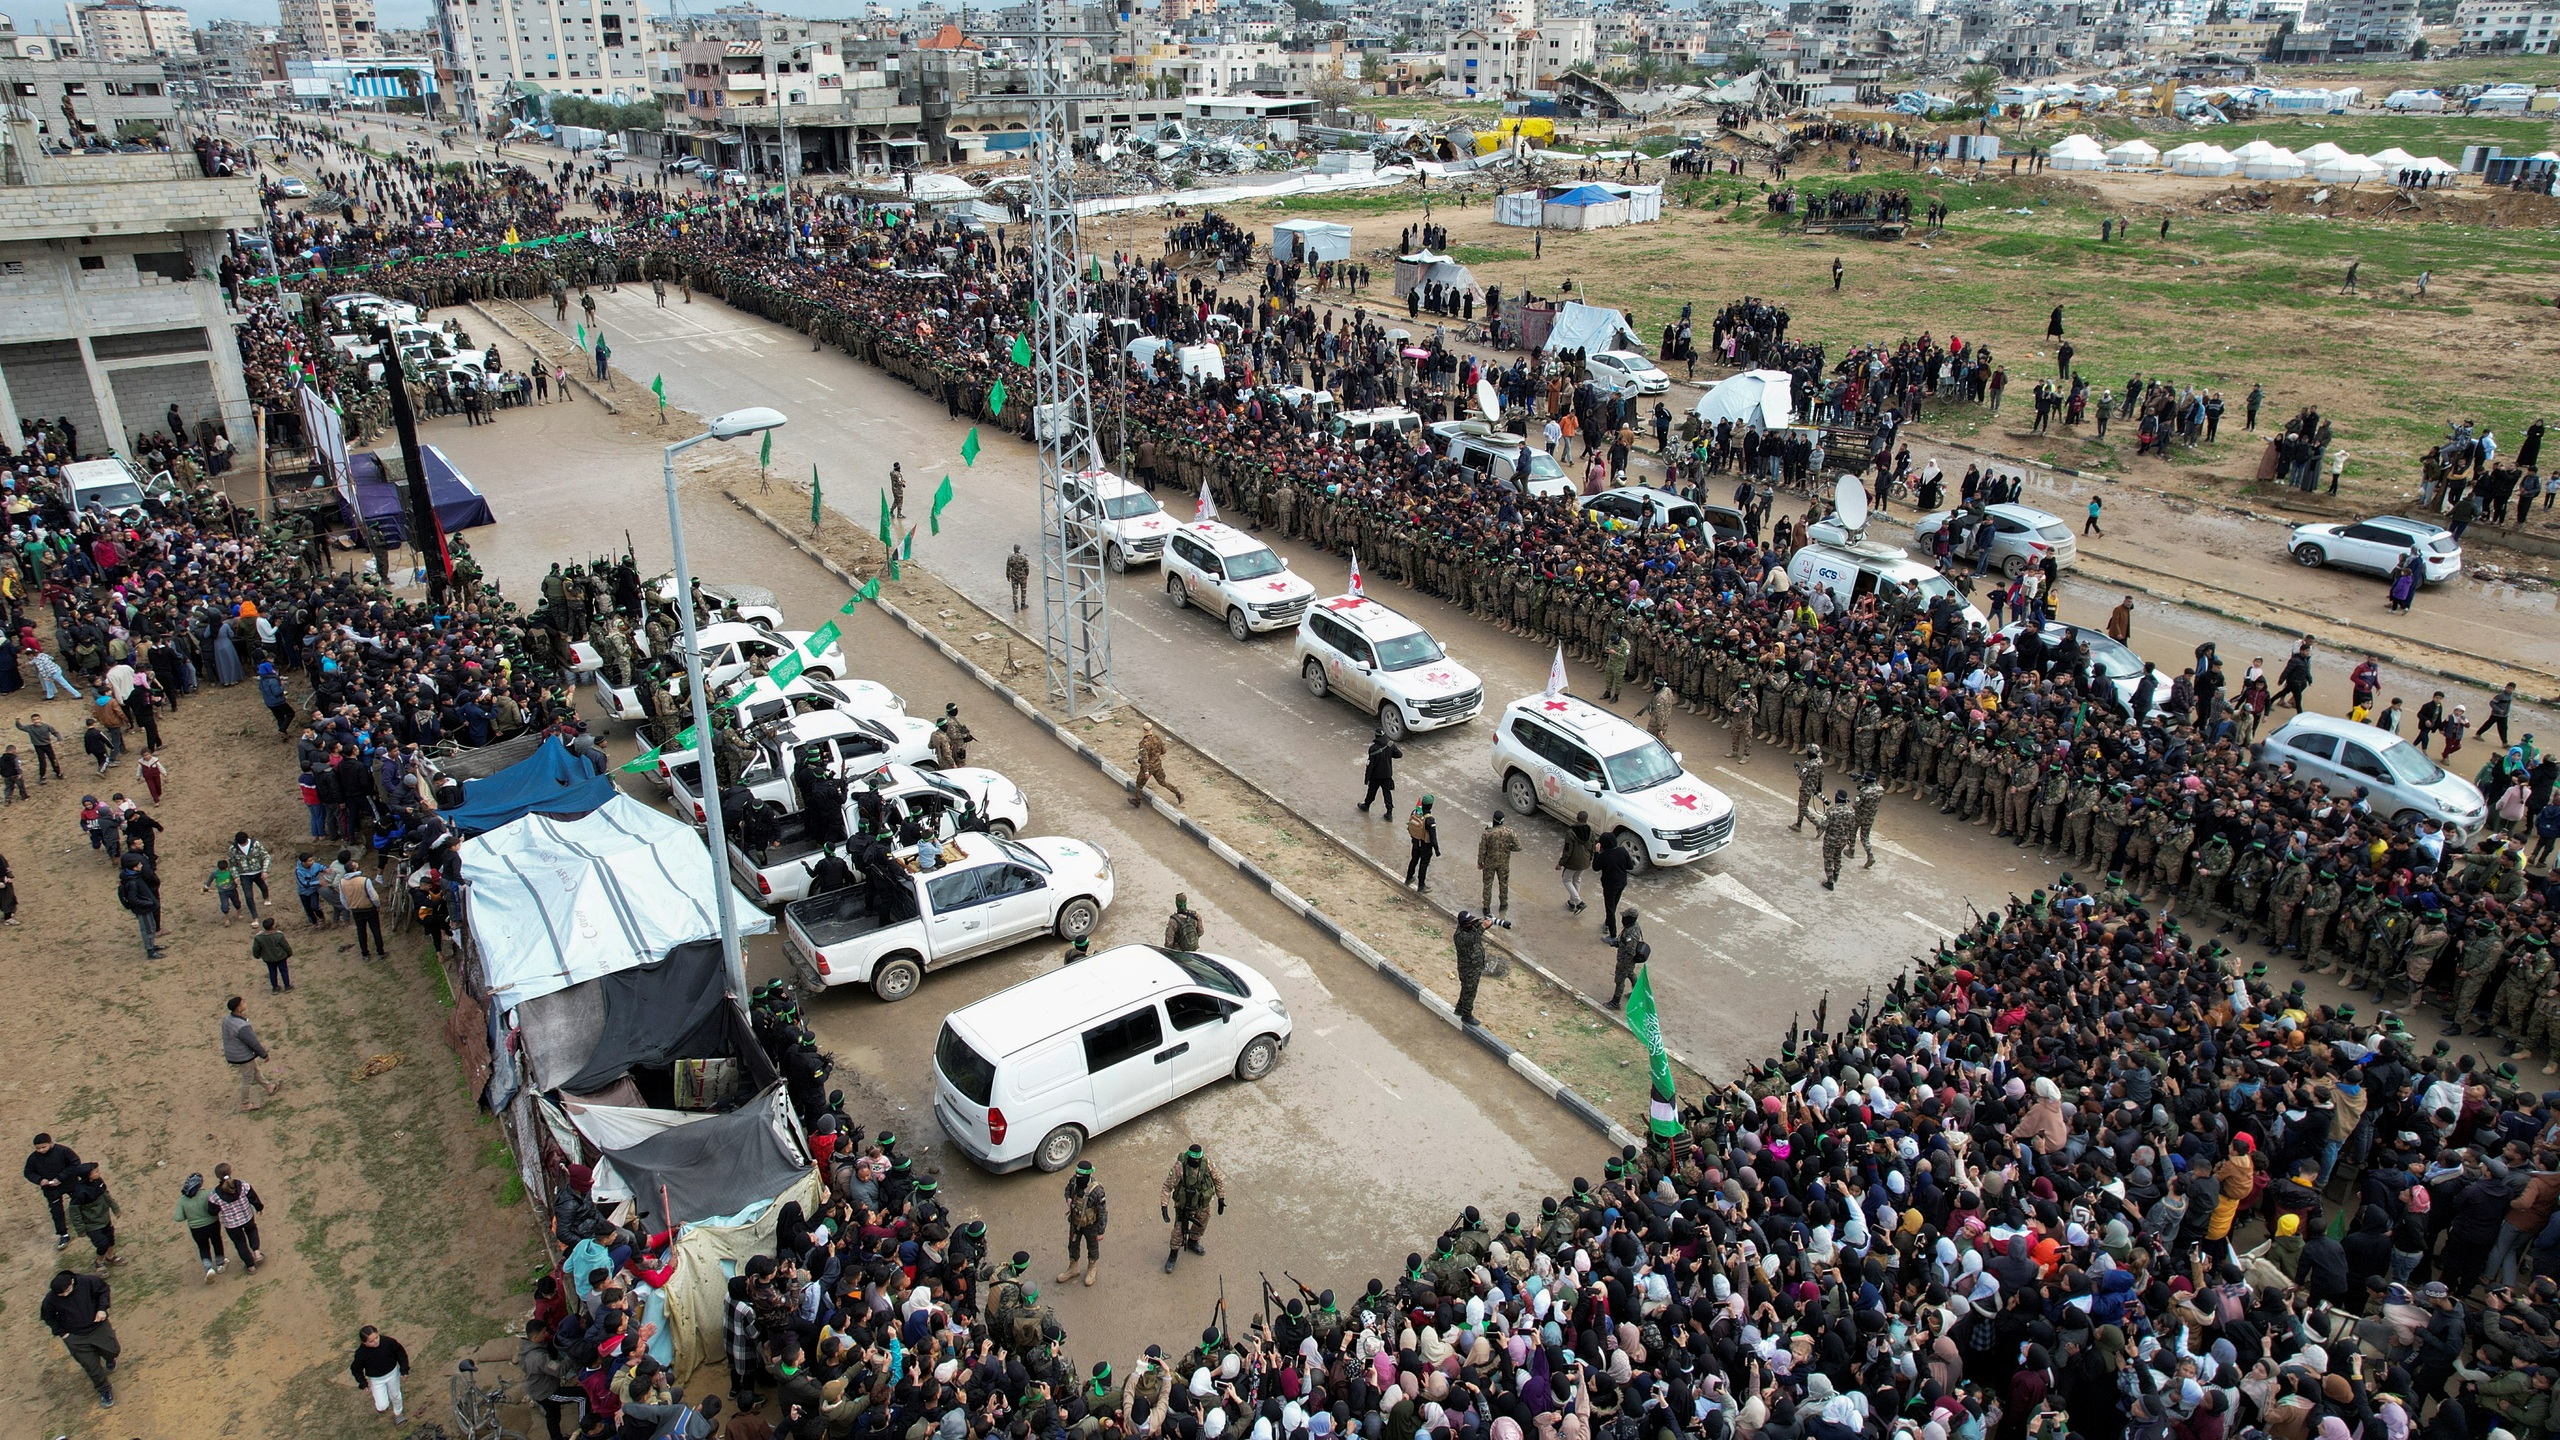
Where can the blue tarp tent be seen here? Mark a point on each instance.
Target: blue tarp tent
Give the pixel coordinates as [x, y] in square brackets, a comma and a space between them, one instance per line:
[549, 782]
[459, 504]
[1582, 195]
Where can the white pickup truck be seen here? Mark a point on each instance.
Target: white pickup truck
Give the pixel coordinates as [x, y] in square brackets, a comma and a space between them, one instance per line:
[846, 744]
[729, 650]
[779, 874]
[805, 695]
[986, 894]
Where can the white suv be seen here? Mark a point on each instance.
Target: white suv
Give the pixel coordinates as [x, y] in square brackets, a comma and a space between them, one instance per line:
[1226, 572]
[1561, 754]
[1133, 526]
[1377, 660]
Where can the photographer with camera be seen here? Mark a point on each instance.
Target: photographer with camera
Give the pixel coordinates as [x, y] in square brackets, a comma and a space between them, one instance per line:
[1469, 940]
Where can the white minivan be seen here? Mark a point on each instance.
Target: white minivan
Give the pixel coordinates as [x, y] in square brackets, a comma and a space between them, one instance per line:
[1028, 1075]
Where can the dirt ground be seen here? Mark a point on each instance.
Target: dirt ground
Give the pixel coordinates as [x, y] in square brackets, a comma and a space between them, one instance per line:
[387, 1198]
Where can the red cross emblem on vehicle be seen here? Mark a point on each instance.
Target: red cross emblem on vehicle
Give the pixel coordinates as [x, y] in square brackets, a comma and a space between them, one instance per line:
[1342, 602]
[1438, 677]
[1553, 785]
[1278, 585]
[1685, 802]
[1558, 705]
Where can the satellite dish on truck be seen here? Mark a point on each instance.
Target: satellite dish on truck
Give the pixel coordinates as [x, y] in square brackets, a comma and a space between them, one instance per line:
[1849, 502]
[1488, 402]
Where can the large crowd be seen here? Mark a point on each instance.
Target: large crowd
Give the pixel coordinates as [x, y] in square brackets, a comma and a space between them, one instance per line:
[2087, 1171]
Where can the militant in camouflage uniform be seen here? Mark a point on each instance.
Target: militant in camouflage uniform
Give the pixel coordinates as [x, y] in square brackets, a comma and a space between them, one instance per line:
[1808, 784]
[1870, 800]
[1839, 834]
[1189, 1187]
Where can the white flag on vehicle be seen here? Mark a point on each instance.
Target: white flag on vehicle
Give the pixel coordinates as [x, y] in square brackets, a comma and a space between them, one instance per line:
[1555, 673]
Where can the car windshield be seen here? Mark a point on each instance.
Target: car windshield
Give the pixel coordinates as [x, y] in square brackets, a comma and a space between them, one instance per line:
[2411, 764]
[945, 786]
[2445, 545]
[1931, 586]
[1205, 971]
[1642, 768]
[2055, 531]
[1017, 850]
[1543, 466]
[1252, 566]
[2114, 660]
[115, 495]
[1403, 652]
[1130, 506]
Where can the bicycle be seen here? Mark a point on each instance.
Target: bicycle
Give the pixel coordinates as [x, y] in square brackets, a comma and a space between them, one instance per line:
[475, 1408]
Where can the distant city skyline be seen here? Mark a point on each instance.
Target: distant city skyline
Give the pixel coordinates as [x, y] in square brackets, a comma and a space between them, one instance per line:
[420, 14]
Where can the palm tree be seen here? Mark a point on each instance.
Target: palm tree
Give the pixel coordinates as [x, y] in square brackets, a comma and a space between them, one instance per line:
[1979, 87]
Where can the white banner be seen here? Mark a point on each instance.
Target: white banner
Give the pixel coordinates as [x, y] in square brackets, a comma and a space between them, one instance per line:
[328, 437]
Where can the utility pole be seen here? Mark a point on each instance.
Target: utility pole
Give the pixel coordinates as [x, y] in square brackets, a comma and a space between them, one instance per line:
[426, 535]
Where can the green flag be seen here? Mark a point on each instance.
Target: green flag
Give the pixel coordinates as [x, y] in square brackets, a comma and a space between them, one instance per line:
[1664, 1111]
[658, 387]
[995, 399]
[941, 498]
[1097, 269]
[787, 669]
[870, 591]
[893, 564]
[888, 537]
[813, 490]
[907, 548]
[582, 334]
[969, 447]
[820, 638]
[645, 763]
[764, 454]
[1021, 352]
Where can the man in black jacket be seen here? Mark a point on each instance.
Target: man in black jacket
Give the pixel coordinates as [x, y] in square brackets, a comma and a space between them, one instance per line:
[75, 1310]
[1381, 773]
[49, 1166]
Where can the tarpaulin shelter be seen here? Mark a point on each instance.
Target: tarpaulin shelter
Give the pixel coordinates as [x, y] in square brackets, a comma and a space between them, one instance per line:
[383, 504]
[1308, 241]
[551, 781]
[1761, 399]
[2199, 158]
[552, 903]
[1590, 328]
[2262, 160]
[1424, 268]
[2076, 152]
[2347, 170]
[1591, 205]
[2133, 153]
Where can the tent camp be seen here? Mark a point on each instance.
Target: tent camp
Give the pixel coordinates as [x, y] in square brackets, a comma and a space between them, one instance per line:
[554, 902]
[2199, 158]
[1424, 268]
[1600, 205]
[551, 781]
[2347, 170]
[1759, 399]
[2133, 155]
[2260, 160]
[2076, 152]
[1590, 328]
[2317, 154]
[1308, 241]
[2393, 160]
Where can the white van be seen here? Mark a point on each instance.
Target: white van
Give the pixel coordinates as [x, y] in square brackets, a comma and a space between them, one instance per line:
[1028, 1075]
[1851, 568]
[113, 486]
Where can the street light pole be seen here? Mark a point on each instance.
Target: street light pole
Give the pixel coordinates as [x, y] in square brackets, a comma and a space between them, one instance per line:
[707, 774]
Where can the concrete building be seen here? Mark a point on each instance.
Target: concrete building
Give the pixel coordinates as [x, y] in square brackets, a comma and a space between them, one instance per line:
[1500, 61]
[2372, 27]
[594, 49]
[2517, 26]
[133, 32]
[110, 311]
[89, 104]
[332, 29]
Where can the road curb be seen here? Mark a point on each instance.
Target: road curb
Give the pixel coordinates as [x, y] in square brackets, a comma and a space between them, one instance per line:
[1537, 1075]
[518, 336]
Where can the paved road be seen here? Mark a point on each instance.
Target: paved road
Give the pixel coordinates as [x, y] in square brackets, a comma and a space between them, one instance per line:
[1336, 1165]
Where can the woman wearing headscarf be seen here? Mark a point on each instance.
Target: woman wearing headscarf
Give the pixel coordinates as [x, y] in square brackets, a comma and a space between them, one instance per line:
[2238, 1176]
[2028, 1389]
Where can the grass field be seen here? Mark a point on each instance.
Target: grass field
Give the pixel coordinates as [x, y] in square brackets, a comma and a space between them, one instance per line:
[2421, 135]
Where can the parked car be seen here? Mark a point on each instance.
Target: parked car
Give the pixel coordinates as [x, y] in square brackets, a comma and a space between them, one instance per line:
[805, 695]
[1619, 372]
[1228, 573]
[2398, 779]
[2114, 659]
[1028, 1075]
[1563, 754]
[292, 188]
[728, 650]
[846, 745]
[2379, 545]
[1476, 446]
[1379, 661]
[1644, 506]
[1854, 568]
[2023, 537]
[982, 895]
[934, 799]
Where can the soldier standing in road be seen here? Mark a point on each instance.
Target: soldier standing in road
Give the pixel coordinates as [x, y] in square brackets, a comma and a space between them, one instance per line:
[1656, 711]
[1424, 833]
[1839, 833]
[1615, 666]
[1380, 773]
[1808, 784]
[1494, 849]
[1182, 929]
[1632, 953]
[1151, 767]
[1870, 800]
[1017, 573]
[1468, 941]
[898, 489]
[1088, 1215]
[1738, 707]
[1188, 1188]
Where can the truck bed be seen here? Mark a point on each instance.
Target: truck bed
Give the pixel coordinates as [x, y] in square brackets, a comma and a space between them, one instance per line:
[792, 842]
[835, 917]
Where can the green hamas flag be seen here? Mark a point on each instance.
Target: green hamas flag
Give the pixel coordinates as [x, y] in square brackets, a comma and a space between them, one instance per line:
[907, 547]
[870, 591]
[658, 387]
[995, 398]
[787, 669]
[822, 637]
[969, 447]
[582, 335]
[764, 452]
[1022, 352]
[887, 536]
[941, 498]
[1664, 1112]
[813, 490]
[645, 763]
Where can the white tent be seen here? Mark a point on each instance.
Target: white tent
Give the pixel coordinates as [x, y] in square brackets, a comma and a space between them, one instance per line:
[1762, 399]
[1591, 328]
[2393, 159]
[1424, 268]
[2315, 154]
[2432, 166]
[2347, 170]
[2202, 160]
[2262, 161]
[552, 903]
[2077, 152]
[1309, 241]
[2133, 153]
[1524, 208]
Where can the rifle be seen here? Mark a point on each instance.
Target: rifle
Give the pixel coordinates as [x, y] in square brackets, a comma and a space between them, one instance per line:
[1266, 1298]
[1311, 1296]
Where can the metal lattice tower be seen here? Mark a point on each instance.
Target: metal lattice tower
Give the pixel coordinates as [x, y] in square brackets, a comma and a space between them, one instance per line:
[1076, 613]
